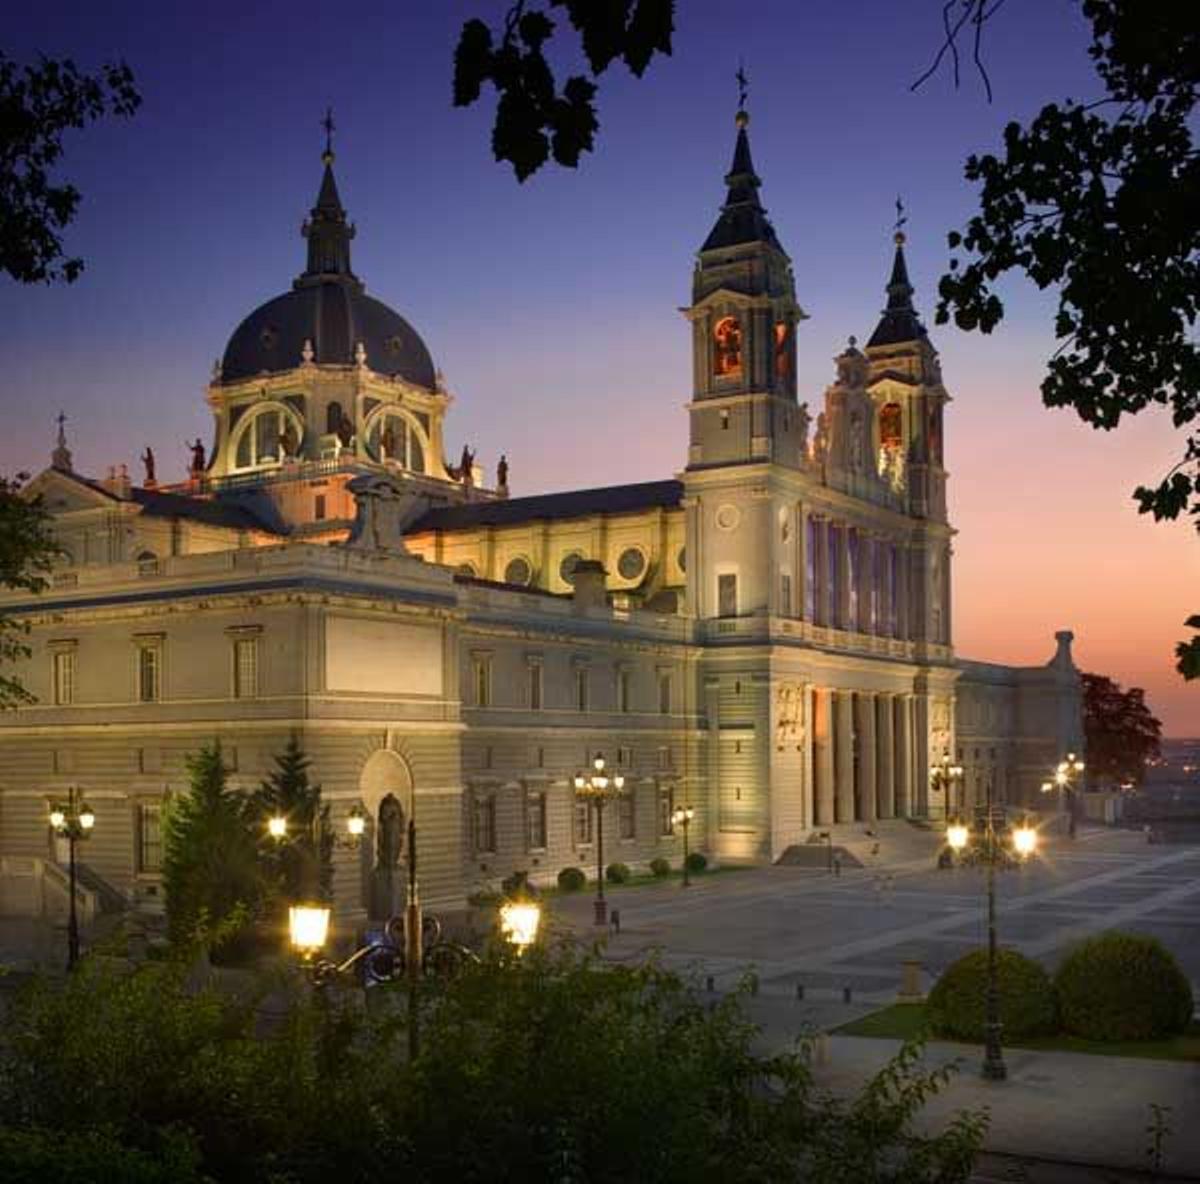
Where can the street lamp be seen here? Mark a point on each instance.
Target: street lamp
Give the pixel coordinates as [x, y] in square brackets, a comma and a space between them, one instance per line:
[1064, 781]
[74, 823]
[598, 788]
[682, 816]
[941, 780]
[1024, 841]
[519, 921]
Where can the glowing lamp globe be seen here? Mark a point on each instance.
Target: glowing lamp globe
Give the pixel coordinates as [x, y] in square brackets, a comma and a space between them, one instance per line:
[277, 826]
[308, 927]
[519, 921]
[957, 836]
[1025, 840]
[356, 823]
[58, 818]
[87, 817]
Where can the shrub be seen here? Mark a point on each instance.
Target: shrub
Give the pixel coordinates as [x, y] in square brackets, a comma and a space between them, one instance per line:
[617, 873]
[571, 879]
[696, 861]
[517, 885]
[1123, 986]
[660, 867]
[958, 1001]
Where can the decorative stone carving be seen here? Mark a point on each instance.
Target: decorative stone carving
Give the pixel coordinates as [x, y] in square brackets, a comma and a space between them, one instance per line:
[789, 715]
[380, 503]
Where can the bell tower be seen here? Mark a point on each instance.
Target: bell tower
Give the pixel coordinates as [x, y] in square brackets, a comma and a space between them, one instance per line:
[744, 316]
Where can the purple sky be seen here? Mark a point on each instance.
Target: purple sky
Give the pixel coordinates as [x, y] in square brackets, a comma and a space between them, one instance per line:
[551, 306]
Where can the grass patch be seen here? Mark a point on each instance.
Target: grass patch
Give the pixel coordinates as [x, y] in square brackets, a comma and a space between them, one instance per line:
[905, 1021]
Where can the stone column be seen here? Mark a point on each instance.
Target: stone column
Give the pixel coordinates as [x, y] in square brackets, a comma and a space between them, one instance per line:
[806, 762]
[902, 590]
[844, 755]
[841, 612]
[822, 598]
[868, 809]
[920, 749]
[904, 787]
[823, 755]
[886, 763]
[801, 580]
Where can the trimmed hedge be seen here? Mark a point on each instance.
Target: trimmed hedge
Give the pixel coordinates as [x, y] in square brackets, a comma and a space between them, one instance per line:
[1123, 986]
[617, 873]
[696, 861]
[571, 879]
[958, 1002]
[660, 867]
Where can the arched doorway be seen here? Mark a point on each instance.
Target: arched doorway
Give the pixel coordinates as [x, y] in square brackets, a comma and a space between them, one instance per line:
[386, 788]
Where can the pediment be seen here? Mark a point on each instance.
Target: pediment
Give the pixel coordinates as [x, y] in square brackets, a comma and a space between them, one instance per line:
[894, 377]
[66, 493]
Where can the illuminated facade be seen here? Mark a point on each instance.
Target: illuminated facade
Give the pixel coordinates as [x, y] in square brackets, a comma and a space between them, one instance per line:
[766, 636]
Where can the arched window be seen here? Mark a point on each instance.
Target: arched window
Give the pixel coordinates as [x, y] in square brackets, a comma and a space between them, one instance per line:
[783, 351]
[333, 418]
[392, 436]
[891, 426]
[265, 436]
[727, 347]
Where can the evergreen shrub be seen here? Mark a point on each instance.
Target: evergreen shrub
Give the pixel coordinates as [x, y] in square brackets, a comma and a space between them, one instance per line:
[660, 867]
[958, 1001]
[571, 879]
[696, 861]
[617, 873]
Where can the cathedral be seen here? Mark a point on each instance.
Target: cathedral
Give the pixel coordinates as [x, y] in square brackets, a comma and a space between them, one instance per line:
[765, 636]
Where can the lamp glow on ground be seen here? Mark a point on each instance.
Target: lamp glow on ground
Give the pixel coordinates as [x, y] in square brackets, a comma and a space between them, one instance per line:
[308, 928]
[519, 922]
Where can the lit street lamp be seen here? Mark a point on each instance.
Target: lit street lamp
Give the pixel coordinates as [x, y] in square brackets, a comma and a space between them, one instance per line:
[598, 789]
[519, 921]
[1064, 781]
[74, 823]
[942, 780]
[682, 816]
[1024, 841]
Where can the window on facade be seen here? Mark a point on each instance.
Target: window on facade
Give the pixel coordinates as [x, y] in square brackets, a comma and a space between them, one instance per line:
[484, 823]
[566, 569]
[783, 351]
[245, 668]
[481, 677]
[877, 579]
[727, 595]
[727, 347]
[894, 590]
[810, 570]
[664, 694]
[833, 585]
[392, 437]
[581, 688]
[724, 419]
[666, 808]
[785, 594]
[891, 431]
[632, 563]
[64, 677]
[583, 824]
[149, 837]
[333, 418]
[149, 673]
[627, 816]
[319, 507]
[535, 806]
[265, 437]
[518, 571]
[854, 564]
[624, 690]
[664, 757]
[534, 675]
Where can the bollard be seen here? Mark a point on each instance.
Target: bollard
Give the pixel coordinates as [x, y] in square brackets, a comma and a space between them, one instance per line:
[910, 980]
[615, 921]
[799, 991]
[709, 983]
[846, 994]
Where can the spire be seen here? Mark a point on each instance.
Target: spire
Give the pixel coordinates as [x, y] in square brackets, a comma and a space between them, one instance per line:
[899, 321]
[60, 458]
[326, 229]
[742, 218]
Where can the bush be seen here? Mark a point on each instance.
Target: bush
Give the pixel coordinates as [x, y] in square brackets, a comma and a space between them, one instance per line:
[696, 861]
[958, 1001]
[617, 873]
[660, 867]
[1123, 986]
[517, 885]
[571, 879]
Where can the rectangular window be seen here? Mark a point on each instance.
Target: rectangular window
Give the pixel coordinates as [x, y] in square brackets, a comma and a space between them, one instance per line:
[245, 668]
[64, 677]
[319, 507]
[833, 582]
[481, 677]
[583, 824]
[624, 690]
[581, 688]
[536, 817]
[810, 570]
[854, 563]
[484, 838]
[666, 807]
[149, 837]
[785, 594]
[664, 757]
[664, 694]
[893, 591]
[627, 816]
[149, 673]
[535, 686]
[727, 595]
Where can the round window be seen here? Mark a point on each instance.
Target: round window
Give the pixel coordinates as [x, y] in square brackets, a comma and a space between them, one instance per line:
[518, 572]
[728, 517]
[566, 569]
[681, 558]
[631, 563]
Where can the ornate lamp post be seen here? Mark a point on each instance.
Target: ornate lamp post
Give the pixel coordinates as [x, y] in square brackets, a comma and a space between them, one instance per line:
[1065, 776]
[74, 823]
[682, 816]
[598, 789]
[942, 779]
[1024, 842]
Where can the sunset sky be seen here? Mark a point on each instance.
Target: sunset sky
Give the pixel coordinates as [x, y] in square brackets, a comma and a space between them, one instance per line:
[552, 307]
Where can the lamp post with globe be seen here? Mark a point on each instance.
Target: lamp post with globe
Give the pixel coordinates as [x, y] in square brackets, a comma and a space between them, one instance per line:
[682, 816]
[598, 789]
[72, 821]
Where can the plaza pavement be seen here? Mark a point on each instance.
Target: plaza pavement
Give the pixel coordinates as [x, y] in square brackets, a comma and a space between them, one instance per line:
[795, 926]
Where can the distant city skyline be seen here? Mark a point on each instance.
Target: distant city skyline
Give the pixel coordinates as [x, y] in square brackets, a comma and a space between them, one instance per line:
[551, 307]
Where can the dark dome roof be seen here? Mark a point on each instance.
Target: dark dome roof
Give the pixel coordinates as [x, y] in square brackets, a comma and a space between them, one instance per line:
[334, 314]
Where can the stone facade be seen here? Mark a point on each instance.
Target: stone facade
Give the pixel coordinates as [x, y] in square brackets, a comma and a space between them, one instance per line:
[768, 638]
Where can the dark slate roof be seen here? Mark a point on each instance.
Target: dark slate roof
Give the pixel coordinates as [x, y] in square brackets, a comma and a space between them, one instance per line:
[612, 499]
[742, 218]
[899, 321]
[233, 515]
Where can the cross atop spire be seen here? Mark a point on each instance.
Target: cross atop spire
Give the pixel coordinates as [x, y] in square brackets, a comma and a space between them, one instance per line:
[326, 228]
[328, 124]
[743, 86]
[901, 219]
[900, 321]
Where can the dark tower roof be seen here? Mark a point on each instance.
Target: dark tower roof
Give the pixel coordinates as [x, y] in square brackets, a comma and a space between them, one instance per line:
[899, 321]
[329, 308]
[742, 218]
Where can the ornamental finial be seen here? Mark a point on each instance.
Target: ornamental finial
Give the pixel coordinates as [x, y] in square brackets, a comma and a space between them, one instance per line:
[328, 124]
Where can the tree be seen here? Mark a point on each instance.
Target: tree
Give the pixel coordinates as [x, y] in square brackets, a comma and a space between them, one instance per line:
[301, 865]
[27, 551]
[1101, 200]
[1120, 732]
[211, 874]
[534, 118]
[38, 103]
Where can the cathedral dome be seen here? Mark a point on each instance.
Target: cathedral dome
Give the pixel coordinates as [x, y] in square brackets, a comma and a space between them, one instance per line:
[334, 315]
